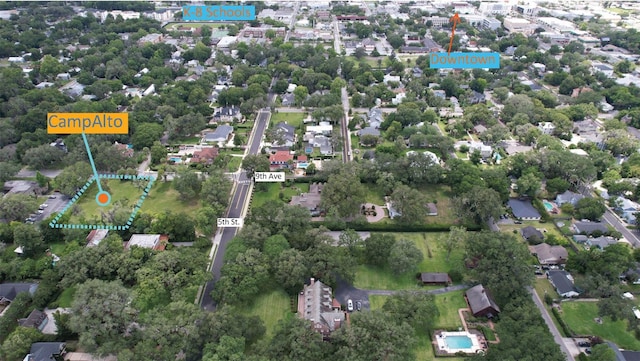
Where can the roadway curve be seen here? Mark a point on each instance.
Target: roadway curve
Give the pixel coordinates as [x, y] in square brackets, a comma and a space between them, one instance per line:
[240, 197]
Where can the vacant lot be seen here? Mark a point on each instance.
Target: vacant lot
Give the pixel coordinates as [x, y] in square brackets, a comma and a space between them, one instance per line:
[270, 307]
[162, 197]
[580, 316]
[435, 260]
[293, 119]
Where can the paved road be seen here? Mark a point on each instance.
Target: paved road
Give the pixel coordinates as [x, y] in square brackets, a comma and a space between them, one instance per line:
[629, 235]
[552, 327]
[437, 291]
[238, 200]
[346, 135]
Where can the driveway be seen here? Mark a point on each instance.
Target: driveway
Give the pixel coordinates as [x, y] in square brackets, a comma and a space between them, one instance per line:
[54, 205]
[552, 327]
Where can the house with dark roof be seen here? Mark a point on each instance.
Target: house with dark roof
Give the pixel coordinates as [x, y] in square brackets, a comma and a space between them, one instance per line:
[532, 234]
[476, 98]
[432, 209]
[288, 100]
[227, 114]
[590, 227]
[36, 319]
[285, 135]
[549, 255]
[524, 210]
[316, 304]
[369, 131]
[434, 278]
[9, 291]
[481, 303]
[568, 197]
[479, 129]
[563, 283]
[310, 200]
[601, 242]
[374, 117]
[46, 351]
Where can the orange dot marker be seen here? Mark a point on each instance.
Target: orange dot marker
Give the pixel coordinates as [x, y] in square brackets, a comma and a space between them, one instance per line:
[103, 198]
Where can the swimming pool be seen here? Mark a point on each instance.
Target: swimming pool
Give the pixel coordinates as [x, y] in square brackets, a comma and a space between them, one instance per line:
[548, 205]
[176, 159]
[458, 342]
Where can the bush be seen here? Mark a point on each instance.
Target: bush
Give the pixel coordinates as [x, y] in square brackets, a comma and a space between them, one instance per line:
[564, 326]
[390, 227]
[455, 275]
[548, 299]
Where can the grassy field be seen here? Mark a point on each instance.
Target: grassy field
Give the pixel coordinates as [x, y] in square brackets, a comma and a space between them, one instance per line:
[234, 164]
[579, 316]
[294, 119]
[161, 197]
[270, 307]
[543, 286]
[66, 297]
[374, 194]
[260, 198]
[548, 226]
[376, 278]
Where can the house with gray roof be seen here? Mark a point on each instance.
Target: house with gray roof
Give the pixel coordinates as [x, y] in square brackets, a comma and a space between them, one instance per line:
[523, 210]
[316, 304]
[222, 134]
[568, 197]
[601, 242]
[374, 117]
[369, 131]
[549, 255]
[46, 351]
[531, 234]
[481, 303]
[590, 227]
[563, 283]
[9, 291]
[285, 135]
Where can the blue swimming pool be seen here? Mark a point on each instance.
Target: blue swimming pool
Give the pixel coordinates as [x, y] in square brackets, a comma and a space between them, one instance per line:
[176, 159]
[548, 205]
[458, 342]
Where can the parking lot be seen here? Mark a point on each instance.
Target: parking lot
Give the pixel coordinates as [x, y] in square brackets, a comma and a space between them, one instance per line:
[55, 203]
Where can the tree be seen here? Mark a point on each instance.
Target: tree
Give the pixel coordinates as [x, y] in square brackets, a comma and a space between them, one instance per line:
[228, 349]
[291, 270]
[145, 135]
[557, 185]
[300, 94]
[294, 339]
[501, 264]
[417, 309]
[73, 178]
[29, 238]
[374, 335]
[101, 314]
[43, 157]
[404, 257]
[17, 207]
[158, 153]
[528, 185]
[590, 208]
[255, 163]
[479, 204]
[618, 141]
[215, 190]
[19, 343]
[410, 203]
[602, 352]
[344, 192]
[457, 237]
[188, 184]
[377, 249]
[242, 279]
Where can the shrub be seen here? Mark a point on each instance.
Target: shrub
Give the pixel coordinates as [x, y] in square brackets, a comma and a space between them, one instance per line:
[455, 275]
[548, 299]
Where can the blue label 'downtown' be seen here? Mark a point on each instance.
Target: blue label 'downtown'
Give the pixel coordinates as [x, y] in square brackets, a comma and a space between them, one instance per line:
[218, 12]
[464, 60]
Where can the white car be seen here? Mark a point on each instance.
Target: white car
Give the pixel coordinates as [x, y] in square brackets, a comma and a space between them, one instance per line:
[349, 305]
[44, 205]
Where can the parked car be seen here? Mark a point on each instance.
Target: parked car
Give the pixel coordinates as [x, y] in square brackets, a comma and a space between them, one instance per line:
[349, 305]
[584, 344]
[358, 305]
[587, 351]
[52, 197]
[44, 205]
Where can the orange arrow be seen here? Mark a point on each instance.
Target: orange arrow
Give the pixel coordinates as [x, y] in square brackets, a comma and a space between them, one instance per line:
[456, 21]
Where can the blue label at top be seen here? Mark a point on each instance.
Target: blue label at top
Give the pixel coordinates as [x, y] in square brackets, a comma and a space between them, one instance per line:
[464, 60]
[218, 12]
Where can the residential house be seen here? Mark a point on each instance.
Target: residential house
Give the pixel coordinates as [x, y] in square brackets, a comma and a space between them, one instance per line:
[324, 128]
[125, 149]
[36, 319]
[16, 59]
[151, 38]
[627, 209]
[606, 69]
[549, 255]
[546, 128]
[222, 134]
[589, 228]
[523, 210]
[532, 234]
[440, 94]
[485, 150]
[96, 236]
[369, 45]
[374, 118]
[156, 242]
[205, 155]
[429, 278]
[477, 97]
[368, 131]
[227, 114]
[513, 147]
[481, 303]
[400, 96]
[316, 304]
[281, 159]
[44, 84]
[46, 351]
[285, 135]
[150, 90]
[601, 242]
[580, 238]
[479, 129]
[9, 291]
[562, 281]
[417, 72]
[288, 100]
[568, 197]
[73, 89]
[632, 274]
[310, 200]
[323, 143]
[59, 143]
[63, 76]
[391, 78]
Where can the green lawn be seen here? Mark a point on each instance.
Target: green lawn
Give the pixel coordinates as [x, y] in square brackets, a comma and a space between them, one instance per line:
[66, 297]
[161, 197]
[548, 226]
[270, 307]
[374, 194]
[190, 140]
[234, 164]
[543, 286]
[440, 195]
[293, 119]
[273, 193]
[376, 278]
[580, 316]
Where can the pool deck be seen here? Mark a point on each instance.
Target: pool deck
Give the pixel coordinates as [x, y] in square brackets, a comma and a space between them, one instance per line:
[443, 349]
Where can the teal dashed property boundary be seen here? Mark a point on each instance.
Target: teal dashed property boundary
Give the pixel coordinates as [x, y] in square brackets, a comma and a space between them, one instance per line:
[54, 223]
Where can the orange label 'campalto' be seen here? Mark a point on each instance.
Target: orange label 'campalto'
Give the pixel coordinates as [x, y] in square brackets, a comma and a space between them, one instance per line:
[88, 123]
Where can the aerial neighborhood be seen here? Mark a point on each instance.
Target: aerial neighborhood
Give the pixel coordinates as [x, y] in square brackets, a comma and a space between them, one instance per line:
[314, 184]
